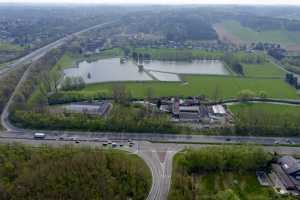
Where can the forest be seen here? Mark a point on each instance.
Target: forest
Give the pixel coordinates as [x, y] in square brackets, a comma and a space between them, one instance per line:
[73, 173]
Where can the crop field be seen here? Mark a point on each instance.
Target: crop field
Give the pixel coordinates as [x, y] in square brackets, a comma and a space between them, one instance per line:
[263, 70]
[286, 38]
[269, 108]
[225, 86]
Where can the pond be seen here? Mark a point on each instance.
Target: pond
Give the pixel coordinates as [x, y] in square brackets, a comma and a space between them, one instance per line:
[111, 70]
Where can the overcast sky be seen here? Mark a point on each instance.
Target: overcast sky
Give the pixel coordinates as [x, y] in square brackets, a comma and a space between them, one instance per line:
[261, 2]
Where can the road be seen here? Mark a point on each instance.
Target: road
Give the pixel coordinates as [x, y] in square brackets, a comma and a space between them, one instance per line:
[37, 54]
[158, 156]
[32, 57]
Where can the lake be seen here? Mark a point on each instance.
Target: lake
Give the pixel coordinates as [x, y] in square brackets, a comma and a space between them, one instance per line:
[111, 70]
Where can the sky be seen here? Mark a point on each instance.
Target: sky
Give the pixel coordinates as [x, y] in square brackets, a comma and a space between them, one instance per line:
[242, 2]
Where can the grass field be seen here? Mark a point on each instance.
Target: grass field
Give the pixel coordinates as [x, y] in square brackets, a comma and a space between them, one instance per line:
[228, 87]
[270, 108]
[263, 70]
[248, 35]
[238, 186]
[160, 54]
[10, 47]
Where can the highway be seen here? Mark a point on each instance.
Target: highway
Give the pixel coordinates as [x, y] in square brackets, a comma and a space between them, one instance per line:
[156, 149]
[38, 53]
[158, 156]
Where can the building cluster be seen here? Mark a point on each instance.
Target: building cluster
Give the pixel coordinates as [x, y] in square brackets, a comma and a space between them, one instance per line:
[194, 111]
[284, 176]
[292, 79]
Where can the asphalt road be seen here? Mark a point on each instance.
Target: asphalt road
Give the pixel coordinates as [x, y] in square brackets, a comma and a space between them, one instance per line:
[158, 156]
[38, 53]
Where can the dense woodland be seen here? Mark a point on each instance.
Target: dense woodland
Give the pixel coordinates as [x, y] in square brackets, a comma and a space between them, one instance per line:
[71, 173]
[256, 121]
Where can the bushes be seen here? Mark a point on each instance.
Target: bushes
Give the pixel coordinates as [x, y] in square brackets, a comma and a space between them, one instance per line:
[71, 173]
[73, 83]
[68, 97]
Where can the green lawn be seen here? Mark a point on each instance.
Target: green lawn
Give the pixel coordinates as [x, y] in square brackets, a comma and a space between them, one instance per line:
[270, 108]
[233, 186]
[66, 61]
[249, 35]
[263, 70]
[228, 87]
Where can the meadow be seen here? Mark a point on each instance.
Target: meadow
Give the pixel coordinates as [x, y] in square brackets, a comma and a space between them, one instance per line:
[269, 108]
[225, 86]
[248, 35]
[266, 69]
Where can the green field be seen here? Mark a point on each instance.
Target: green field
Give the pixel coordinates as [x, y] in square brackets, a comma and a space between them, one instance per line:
[235, 186]
[263, 70]
[173, 54]
[227, 87]
[249, 35]
[10, 47]
[276, 109]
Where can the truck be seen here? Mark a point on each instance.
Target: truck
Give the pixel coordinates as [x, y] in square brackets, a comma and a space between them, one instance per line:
[39, 136]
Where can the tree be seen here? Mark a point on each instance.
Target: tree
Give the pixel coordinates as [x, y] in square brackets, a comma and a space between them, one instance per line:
[262, 94]
[120, 94]
[245, 95]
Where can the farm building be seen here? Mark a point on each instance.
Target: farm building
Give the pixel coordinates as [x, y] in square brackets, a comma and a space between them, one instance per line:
[99, 108]
[287, 172]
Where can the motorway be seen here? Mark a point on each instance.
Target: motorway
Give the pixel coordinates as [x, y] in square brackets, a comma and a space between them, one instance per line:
[156, 149]
[38, 53]
[158, 156]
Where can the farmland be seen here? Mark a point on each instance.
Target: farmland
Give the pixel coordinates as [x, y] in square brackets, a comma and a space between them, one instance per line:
[247, 35]
[263, 70]
[227, 87]
[270, 108]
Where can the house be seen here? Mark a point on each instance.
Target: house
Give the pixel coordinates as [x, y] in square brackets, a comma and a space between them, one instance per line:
[291, 166]
[218, 110]
[287, 171]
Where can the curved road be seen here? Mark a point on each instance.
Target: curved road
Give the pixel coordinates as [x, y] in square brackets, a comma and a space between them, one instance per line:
[157, 156]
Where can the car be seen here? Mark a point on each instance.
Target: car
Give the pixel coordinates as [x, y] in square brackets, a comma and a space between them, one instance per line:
[131, 144]
[276, 142]
[77, 141]
[39, 136]
[228, 139]
[121, 145]
[113, 145]
[61, 138]
[104, 144]
[109, 142]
